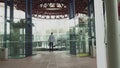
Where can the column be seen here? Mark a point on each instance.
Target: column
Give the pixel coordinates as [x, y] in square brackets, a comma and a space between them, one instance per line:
[28, 28]
[99, 25]
[5, 25]
[113, 35]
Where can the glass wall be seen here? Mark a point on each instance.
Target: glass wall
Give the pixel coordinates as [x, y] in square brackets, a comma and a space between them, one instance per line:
[78, 38]
[42, 43]
[16, 45]
[1, 31]
[1, 25]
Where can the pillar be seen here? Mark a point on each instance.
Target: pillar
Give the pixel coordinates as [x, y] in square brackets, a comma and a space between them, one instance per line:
[28, 28]
[90, 11]
[5, 26]
[113, 35]
[99, 25]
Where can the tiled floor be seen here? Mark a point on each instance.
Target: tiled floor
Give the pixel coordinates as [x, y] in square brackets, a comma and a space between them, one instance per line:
[57, 59]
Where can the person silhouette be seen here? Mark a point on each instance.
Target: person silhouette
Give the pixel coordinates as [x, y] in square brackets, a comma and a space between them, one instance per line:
[51, 41]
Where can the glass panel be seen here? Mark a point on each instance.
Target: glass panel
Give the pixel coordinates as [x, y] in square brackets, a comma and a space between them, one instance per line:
[16, 45]
[1, 31]
[1, 25]
[82, 36]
